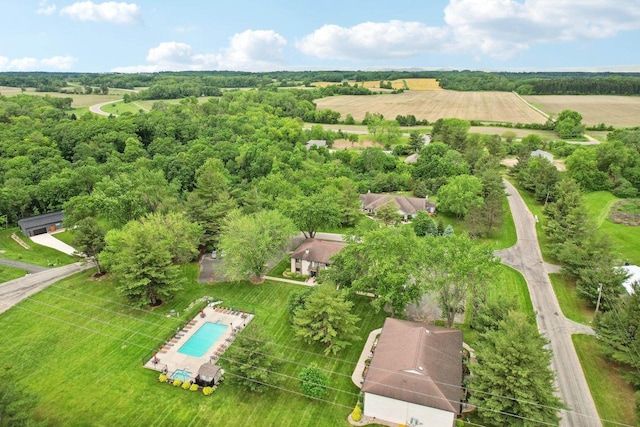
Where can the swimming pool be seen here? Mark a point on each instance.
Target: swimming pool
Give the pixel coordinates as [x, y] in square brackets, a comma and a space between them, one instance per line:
[203, 339]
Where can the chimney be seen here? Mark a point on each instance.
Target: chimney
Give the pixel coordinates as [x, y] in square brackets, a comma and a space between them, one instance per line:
[306, 251]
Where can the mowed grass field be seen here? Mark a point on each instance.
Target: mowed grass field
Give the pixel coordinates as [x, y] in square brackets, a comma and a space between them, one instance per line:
[619, 111]
[433, 105]
[80, 350]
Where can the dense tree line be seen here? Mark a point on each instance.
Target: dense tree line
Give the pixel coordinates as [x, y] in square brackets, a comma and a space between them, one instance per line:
[167, 85]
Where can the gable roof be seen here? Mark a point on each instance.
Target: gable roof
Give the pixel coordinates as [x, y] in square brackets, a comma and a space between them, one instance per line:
[542, 153]
[418, 363]
[41, 220]
[317, 250]
[413, 158]
[406, 205]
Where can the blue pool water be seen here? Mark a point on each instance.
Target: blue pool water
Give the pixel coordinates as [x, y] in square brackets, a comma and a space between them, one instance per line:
[181, 374]
[203, 339]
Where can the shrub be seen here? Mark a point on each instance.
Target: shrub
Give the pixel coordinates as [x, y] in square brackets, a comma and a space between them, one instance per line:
[194, 387]
[313, 381]
[163, 378]
[356, 415]
[367, 362]
[177, 382]
[186, 385]
[207, 391]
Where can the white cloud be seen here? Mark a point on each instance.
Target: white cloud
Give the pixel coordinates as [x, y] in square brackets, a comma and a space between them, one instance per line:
[56, 63]
[253, 48]
[170, 53]
[373, 40]
[118, 13]
[249, 50]
[498, 28]
[45, 9]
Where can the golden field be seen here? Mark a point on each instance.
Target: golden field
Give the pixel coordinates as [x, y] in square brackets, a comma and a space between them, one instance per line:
[618, 111]
[433, 105]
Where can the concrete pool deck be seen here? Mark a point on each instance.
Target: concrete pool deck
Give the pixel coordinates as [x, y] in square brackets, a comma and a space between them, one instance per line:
[168, 358]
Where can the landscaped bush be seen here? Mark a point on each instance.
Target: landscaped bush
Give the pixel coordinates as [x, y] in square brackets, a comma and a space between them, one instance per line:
[194, 387]
[177, 383]
[207, 391]
[163, 378]
[367, 362]
[186, 385]
[356, 415]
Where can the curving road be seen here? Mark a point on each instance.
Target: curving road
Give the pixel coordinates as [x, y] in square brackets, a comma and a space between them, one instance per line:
[97, 108]
[525, 257]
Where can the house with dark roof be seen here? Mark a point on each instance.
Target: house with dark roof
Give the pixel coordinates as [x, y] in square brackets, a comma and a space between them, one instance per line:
[314, 255]
[41, 224]
[408, 207]
[415, 375]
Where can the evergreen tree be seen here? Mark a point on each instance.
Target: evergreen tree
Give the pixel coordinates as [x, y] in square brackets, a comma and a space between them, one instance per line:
[252, 361]
[327, 319]
[523, 387]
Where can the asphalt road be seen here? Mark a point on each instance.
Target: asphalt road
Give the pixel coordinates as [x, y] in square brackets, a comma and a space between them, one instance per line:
[30, 268]
[525, 257]
[97, 108]
[14, 291]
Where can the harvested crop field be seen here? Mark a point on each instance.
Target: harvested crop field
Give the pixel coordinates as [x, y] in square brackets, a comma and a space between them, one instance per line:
[619, 111]
[433, 105]
[78, 100]
[411, 84]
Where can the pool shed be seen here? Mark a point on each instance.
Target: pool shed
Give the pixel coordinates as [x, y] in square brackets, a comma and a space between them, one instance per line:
[41, 224]
[209, 375]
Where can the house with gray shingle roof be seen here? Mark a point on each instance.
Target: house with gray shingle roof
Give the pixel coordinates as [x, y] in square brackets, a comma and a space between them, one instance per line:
[408, 207]
[415, 375]
[316, 143]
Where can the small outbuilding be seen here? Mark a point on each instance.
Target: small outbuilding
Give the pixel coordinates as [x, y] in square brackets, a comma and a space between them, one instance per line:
[209, 375]
[542, 153]
[41, 224]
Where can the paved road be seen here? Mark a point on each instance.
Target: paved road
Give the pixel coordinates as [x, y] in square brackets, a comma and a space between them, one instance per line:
[30, 268]
[525, 257]
[97, 108]
[14, 291]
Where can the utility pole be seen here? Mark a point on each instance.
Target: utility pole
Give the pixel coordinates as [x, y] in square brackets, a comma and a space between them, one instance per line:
[599, 297]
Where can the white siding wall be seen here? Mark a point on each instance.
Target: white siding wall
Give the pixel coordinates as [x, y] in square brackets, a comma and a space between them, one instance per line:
[304, 266]
[293, 265]
[401, 412]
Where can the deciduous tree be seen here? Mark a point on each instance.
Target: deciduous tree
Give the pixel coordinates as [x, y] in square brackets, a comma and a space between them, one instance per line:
[89, 240]
[460, 195]
[249, 242]
[313, 381]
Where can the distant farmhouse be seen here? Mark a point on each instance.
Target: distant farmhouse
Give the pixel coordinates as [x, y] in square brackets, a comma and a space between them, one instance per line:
[314, 255]
[542, 153]
[415, 375]
[408, 207]
[41, 224]
[316, 143]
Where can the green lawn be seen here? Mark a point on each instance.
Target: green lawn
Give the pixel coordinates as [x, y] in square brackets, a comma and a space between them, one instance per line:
[66, 236]
[510, 285]
[623, 237]
[39, 255]
[572, 306]
[612, 395]
[74, 342]
[10, 273]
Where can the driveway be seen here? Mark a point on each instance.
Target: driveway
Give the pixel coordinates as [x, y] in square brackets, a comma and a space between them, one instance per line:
[14, 291]
[97, 108]
[525, 257]
[51, 242]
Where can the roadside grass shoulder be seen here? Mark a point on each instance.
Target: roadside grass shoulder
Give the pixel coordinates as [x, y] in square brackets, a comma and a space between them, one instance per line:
[10, 273]
[614, 398]
[76, 337]
[39, 255]
[572, 306]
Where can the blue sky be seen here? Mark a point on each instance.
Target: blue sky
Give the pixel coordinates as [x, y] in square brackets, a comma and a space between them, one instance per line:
[145, 35]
